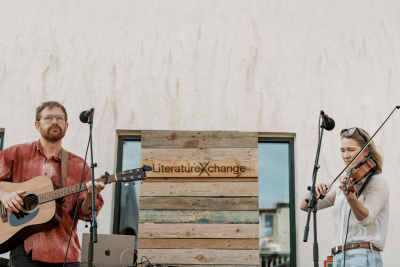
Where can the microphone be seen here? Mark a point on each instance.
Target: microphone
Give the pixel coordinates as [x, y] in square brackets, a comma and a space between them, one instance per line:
[84, 116]
[329, 123]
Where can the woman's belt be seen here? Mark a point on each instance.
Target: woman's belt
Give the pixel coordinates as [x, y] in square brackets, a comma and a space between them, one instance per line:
[336, 250]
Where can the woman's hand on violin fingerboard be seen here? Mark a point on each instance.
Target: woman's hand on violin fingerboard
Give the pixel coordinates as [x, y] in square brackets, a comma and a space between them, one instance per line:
[321, 189]
[343, 184]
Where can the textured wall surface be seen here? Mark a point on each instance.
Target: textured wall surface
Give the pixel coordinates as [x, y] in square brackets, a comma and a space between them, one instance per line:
[260, 66]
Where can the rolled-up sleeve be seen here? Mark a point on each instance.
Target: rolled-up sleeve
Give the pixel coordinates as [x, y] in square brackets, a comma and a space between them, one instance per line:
[376, 197]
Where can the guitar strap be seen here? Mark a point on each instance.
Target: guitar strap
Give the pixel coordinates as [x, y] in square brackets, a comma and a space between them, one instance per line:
[64, 169]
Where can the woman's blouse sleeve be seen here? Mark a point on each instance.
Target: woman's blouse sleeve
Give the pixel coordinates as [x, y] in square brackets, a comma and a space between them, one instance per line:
[376, 196]
[329, 199]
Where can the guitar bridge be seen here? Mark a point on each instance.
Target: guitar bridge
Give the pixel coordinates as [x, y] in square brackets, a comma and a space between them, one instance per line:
[4, 213]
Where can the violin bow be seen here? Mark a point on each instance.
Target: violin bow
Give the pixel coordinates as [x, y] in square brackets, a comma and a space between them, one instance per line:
[348, 166]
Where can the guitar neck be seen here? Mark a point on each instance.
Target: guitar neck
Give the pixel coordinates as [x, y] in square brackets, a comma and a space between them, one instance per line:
[70, 190]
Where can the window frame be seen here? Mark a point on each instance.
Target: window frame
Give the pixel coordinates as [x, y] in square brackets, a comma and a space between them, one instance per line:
[292, 197]
[117, 188]
[292, 192]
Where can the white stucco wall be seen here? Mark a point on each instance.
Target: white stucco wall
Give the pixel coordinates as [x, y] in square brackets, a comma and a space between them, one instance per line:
[265, 66]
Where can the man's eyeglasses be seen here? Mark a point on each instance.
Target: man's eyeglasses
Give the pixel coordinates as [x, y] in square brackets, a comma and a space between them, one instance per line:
[50, 118]
[352, 131]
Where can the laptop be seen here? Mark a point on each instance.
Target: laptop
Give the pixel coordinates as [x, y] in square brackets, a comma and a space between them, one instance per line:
[108, 250]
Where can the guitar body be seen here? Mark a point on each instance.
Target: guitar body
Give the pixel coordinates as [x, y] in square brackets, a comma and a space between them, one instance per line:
[40, 210]
[15, 228]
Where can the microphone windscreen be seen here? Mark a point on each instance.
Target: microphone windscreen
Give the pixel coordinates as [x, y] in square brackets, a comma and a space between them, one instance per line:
[331, 125]
[82, 117]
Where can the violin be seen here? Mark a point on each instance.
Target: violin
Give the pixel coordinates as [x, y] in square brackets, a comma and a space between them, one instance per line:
[356, 174]
[358, 154]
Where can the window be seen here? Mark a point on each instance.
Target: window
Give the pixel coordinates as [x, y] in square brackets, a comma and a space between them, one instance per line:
[276, 197]
[126, 206]
[1, 140]
[276, 201]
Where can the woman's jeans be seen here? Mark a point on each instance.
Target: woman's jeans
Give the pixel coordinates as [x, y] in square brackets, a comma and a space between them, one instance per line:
[360, 257]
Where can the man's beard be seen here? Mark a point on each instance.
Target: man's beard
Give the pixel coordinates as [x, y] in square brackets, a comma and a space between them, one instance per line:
[52, 137]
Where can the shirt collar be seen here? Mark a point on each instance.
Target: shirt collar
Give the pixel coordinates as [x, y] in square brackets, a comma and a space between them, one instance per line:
[40, 149]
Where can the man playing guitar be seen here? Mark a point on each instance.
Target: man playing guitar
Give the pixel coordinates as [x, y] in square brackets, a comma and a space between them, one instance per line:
[23, 162]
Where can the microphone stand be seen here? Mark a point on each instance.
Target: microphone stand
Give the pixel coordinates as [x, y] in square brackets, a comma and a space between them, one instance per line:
[313, 201]
[93, 208]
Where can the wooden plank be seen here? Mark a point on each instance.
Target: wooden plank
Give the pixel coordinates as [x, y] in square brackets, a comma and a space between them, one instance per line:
[166, 230]
[217, 154]
[196, 168]
[200, 179]
[197, 203]
[200, 256]
[192, 139]
[200, 216]
[206, 189]
[199, 243]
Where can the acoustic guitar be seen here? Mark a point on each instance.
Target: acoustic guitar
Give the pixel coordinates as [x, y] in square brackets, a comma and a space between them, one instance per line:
[40, 211]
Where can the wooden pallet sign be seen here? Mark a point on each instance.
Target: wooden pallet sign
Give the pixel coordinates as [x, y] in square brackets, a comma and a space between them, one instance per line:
[199, 205]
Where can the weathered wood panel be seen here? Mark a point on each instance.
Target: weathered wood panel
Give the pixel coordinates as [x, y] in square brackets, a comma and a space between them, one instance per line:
[215, 154]
[200, 256]
[200, 216]
[166, 230]
[206, 189]
[196, 168]
[199, 243]
[198, 203]
[200, 179]
[185, 140]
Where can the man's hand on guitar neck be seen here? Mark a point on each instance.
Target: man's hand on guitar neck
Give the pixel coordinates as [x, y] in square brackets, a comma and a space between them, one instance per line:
[12, 200]
[99, 186]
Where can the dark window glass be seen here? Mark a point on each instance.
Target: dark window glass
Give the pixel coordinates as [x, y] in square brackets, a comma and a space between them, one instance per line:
[1, 140]
[274, 172]
[126, 208]
[129, 207]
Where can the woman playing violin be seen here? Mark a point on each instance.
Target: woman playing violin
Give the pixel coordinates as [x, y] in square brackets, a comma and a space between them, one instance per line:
[367, 226]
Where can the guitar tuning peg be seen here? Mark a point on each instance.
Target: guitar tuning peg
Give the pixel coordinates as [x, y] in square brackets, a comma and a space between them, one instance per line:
[133, 183]
[140, 182]
[126, 184]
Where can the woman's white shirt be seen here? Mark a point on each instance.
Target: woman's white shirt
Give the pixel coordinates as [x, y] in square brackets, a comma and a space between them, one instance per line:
[373, 228]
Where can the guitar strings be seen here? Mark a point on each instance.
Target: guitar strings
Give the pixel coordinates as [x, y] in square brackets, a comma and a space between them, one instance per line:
[33, 196]
[34, 199]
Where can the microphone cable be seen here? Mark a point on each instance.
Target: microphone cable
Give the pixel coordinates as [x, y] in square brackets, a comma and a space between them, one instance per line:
[77, 197]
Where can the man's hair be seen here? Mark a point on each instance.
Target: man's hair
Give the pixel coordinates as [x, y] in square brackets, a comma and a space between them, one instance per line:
[50, 105]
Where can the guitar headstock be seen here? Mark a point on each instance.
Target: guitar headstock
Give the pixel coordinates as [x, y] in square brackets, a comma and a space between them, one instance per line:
[137, 174]
[131, 175]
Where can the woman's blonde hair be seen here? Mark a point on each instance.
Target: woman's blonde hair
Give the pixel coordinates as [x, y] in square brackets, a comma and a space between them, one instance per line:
[359, 138]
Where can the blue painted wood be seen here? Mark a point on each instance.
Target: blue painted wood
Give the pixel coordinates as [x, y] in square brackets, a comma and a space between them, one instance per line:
[198, 216]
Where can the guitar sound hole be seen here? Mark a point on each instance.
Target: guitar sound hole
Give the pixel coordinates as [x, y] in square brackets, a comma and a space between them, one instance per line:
[30, 202]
